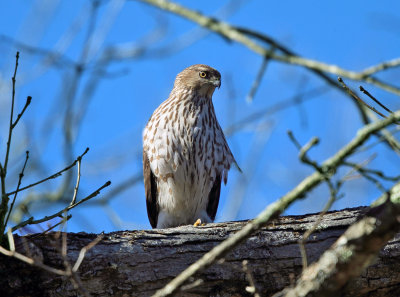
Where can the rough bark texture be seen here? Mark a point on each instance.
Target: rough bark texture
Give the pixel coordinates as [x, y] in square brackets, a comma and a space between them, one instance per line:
[136, 263]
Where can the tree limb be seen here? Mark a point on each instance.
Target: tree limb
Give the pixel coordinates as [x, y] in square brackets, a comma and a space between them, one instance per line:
[233, 33]
[136, 263]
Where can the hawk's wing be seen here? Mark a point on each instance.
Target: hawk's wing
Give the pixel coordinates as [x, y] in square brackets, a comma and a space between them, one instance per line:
[150, 185]
[213, 198]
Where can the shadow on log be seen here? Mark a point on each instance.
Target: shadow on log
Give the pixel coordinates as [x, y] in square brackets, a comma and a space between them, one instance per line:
[136, 263]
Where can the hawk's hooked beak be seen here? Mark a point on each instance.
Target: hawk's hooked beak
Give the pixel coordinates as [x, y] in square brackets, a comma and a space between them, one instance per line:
[217, 82]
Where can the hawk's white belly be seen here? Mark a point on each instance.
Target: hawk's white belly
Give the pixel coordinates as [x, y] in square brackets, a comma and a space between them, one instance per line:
[186, 151]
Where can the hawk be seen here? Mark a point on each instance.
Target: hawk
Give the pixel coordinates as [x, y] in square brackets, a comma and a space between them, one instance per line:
[185, 153]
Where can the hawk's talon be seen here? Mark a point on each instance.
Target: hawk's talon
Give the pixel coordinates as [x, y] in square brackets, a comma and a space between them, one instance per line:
[198, 223]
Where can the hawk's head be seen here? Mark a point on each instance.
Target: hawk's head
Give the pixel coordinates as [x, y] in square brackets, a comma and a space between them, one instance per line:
[202, 78]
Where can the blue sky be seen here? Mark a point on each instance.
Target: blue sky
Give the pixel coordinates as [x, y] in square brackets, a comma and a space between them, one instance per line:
[350, 34]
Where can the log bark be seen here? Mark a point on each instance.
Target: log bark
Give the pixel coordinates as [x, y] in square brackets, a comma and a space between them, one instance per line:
[136, 263]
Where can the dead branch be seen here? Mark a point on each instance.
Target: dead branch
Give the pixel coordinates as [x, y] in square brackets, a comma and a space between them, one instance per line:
[136, 263]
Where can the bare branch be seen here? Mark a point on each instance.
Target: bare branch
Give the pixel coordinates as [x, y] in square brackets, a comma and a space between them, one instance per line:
[84, 250]
[380, 67]
[55, 175]
[257, 81]
[310, 231]
[21, 175]
[69, 271]
[28, 101]
[78, 178]
[11, 117]
[373, 98]
[282, 105]
[233, 33]
[32, 221]
[119, 188]
[358, 98]
[304, 150]
[372, 171]
[23, 258]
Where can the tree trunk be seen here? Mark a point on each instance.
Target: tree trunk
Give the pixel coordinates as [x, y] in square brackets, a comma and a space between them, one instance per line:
[136, 263]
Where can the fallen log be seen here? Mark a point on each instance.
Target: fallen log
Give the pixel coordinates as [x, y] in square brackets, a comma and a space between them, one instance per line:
[136, 263]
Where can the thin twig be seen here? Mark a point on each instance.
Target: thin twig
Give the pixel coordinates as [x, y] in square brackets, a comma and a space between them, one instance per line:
[366, 174]
[78, 178]
[192, 285]
[373, 98]
[305, 159]
[389, 139]
[57, 174]
[304, 150]
[84, 250]
[357, 165]
[314, 227]
[257, 81]
[11, 116]
[282, 105]
[21, 175]
[31, 220]
[69, 271]
[5, 198]
[19, 116]
[23, 258]
[380, 139]
[379, 67]
[358, 98]
[117, 189]
[63, 220]
[378, 173]
[252, 289]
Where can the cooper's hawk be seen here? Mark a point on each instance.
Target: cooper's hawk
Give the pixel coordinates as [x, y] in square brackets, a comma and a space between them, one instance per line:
[185, 154]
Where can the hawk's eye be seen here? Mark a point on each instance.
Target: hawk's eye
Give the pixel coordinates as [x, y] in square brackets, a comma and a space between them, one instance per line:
[203, 74]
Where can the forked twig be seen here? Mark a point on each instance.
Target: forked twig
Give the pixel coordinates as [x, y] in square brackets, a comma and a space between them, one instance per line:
[31, 220]
[57, 174]
[21, 175]
[19, 116]
[355, 96]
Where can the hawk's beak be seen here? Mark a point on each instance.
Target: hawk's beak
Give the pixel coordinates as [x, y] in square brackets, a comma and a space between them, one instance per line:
[217, 82]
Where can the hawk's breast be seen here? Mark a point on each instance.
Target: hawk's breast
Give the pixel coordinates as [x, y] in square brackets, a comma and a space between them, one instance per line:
[187, 150]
